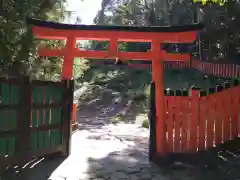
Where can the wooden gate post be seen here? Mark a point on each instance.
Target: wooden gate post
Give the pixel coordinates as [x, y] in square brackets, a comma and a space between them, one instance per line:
[23, 120]
[152, 123]
[67, 115]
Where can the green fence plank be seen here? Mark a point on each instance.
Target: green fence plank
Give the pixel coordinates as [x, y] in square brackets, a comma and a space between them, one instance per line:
[13, 119]
[59, 115]
[53, 134]
[48, 116]
[53, 94]
[5, 100]
[48, 101]
[53, 116]
[3, 147]
[35, 93]
[11, 146]
[41, 100]
[47, 140]
[3, 119]
[58, 137]
[34, 118]
[34, 111]
[48, 112]
[33, 137]
[59, 93]
[5, 93]
[14, 94]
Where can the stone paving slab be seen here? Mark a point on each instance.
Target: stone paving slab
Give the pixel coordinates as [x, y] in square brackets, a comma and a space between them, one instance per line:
[111, 152]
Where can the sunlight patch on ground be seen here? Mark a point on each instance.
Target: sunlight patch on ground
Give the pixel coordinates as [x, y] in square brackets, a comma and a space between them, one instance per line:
[83, 149]
[141, 118]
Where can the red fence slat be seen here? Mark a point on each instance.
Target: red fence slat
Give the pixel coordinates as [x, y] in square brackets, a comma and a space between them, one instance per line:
[194, 120]
[197, 123]
[235, 111]
[202, 124]
[226, 120]
[184, 132]
[177, 124]
[219, 118]
[170, 123]
[210, 120]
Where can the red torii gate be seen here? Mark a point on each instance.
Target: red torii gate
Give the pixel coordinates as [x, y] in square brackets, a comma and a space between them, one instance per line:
[155, 35]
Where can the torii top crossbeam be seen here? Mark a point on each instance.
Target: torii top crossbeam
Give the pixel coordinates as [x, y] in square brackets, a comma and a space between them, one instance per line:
[71, 33]
[155, 35]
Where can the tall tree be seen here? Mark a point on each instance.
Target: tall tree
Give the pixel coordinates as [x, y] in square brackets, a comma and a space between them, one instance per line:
[17, 47]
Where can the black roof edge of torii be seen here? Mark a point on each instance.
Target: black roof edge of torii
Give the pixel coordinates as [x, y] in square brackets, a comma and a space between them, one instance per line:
[53, 25]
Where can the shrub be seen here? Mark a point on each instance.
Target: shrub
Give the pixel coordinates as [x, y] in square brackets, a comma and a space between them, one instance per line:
[145, 124]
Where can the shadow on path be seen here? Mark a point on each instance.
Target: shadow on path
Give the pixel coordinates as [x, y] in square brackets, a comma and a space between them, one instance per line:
[37, 169]
[221, 164]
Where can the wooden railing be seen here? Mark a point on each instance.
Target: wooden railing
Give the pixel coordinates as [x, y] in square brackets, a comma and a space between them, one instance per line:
[198, 120]
[217, 69]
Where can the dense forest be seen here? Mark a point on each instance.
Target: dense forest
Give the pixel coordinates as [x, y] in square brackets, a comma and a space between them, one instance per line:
[18, 47]
[220, 20]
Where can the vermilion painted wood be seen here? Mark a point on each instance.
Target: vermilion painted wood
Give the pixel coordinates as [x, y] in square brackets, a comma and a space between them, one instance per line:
[226, 115]
[166, 118]
[67, 68]
[113, 47]
[185, 120]
[210, 120]
[219, 118]
[229, 112]
[112, 54]
[235, 95]
[178, 37]
[202, 123]
[177, 125]
[170, 123]
[194, 120]
[157, 76]
[157, 56]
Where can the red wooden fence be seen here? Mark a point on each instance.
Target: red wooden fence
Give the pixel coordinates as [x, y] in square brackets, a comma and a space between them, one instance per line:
[201, 120]
[224, 70]
[217, 69]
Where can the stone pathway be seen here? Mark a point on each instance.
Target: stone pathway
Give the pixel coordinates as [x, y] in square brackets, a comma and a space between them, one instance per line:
[113, 152]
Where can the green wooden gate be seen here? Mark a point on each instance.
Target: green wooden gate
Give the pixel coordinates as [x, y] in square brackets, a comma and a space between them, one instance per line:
[35, 119]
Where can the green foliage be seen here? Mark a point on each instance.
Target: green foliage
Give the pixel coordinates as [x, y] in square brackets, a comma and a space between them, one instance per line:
[17, 49]
[18, 46]
[204, 2]
[222, 21]
[80, 66]
[145, 124]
